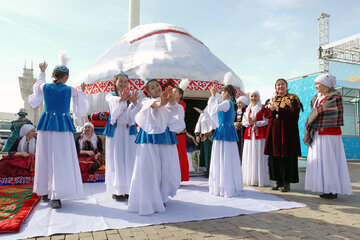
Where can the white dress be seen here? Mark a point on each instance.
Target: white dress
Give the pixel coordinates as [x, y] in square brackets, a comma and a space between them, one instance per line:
[255, 167]
[326, 166]
[225, 178]
[156, 174]
[121, 148]
[57, 171]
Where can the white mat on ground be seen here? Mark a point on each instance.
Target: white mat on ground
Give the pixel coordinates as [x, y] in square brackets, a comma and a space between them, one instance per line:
[98, 211]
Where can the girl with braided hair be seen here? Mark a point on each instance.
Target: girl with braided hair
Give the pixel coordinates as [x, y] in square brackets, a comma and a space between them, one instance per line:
[57, 172]
[225, 178]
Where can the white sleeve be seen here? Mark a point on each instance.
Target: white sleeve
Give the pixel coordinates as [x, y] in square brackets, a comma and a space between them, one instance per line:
[132, 111]
[37, 97]
[262, 123]
[176, 122]
[198, 124]
[80, 104]
[115, 107]
[152, 120]
[214, 107]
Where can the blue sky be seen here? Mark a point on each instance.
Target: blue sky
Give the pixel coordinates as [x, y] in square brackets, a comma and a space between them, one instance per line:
[260, 40]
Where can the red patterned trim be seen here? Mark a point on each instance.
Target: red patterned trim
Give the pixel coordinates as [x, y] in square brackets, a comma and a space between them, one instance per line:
[16, 180]
[138, 84]
[165, 31]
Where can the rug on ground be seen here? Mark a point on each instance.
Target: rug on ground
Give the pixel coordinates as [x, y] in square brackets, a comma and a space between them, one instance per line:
[96, 210]
[16, 203]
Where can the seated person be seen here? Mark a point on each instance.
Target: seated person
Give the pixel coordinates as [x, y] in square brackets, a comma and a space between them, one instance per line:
[89, 148]
[21, 158]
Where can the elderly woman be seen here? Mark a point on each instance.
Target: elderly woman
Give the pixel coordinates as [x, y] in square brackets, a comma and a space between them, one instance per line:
[282, 143]
[326, 170]
[241, 103]
[255, 163]
[21, 159]
[89, 148]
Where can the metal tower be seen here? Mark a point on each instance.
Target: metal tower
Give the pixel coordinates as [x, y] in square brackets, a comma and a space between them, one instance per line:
[323, 40]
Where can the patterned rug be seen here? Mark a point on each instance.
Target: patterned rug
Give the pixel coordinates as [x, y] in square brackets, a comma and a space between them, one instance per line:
[16, 203]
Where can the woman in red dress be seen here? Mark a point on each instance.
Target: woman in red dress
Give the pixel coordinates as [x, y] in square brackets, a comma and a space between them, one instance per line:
[181, 146]
[89, 148]
[21, 158]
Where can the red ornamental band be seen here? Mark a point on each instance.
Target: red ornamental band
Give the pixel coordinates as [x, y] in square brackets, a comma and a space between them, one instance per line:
[138, 84]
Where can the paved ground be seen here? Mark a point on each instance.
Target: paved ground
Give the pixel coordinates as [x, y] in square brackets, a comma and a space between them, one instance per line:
[322, 219]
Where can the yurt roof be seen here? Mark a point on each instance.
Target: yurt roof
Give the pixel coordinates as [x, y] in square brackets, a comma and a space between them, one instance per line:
[158, 50]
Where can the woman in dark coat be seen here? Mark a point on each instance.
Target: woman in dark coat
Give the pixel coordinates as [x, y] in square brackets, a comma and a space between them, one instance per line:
[282, 139]
[241, 103]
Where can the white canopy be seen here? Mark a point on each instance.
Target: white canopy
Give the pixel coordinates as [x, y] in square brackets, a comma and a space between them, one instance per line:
[160, 51]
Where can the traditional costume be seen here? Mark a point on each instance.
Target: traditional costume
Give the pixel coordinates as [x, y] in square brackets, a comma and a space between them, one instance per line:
[13, 166]
[225, 177]
[326, 168]
[120, 147]
[181, 147]
[57, 172]
[241, 130]
[15, 129]
[88, 164]
[204, 129]
[282, 143]
[156, 174]
[255, 163]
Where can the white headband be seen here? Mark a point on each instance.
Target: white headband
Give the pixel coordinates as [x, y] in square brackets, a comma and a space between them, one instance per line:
[326, 79]
[89, 124]
[25, 129]
[242, 99]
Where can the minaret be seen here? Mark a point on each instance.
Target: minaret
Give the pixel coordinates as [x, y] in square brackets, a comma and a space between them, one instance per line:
[134, 13]
[26, 83]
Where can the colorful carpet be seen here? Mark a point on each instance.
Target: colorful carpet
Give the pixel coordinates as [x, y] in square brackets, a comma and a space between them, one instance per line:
[16, 203]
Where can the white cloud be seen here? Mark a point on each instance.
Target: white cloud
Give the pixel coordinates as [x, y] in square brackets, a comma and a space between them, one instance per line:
[6, 20]
[269, 44]
[281, 3]
[279, 23]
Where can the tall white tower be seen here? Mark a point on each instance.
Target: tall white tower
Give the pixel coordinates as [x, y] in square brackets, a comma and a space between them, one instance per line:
[134, 13]
[323, 40]
[26, 83]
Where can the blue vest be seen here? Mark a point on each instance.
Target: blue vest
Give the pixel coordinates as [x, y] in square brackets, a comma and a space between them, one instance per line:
[226, 130]
[110, 128]
[56, 115]
[166, 137]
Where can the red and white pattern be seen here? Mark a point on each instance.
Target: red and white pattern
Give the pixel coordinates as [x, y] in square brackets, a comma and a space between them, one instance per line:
[138, 84]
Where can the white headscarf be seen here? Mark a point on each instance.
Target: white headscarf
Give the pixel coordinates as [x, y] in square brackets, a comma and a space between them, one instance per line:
[93, 138]
[242, 99]
[254, 109]
[326, 79]
[24, 146]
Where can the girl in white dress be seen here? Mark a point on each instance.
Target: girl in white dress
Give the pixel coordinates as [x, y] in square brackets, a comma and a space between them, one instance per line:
[120, 131]
[57, 172]
[326, 167]
[225, 178]
[255, 163]
[156, 174]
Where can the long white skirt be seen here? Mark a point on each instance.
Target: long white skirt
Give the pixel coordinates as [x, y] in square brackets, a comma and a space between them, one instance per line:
[255, 167]
[225, 178]
[156, 177]
[119, 160]
[326, 168]
[57, 171]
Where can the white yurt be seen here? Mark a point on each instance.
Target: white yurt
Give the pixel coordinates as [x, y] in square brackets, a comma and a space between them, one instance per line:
[161, 51]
